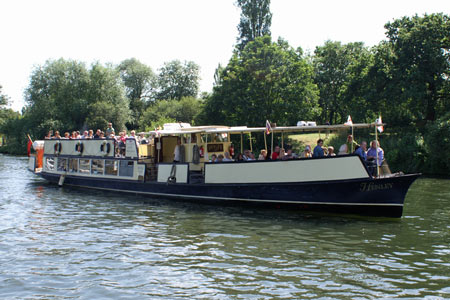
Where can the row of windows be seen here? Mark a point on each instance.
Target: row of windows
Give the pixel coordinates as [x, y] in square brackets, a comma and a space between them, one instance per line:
[90, 166]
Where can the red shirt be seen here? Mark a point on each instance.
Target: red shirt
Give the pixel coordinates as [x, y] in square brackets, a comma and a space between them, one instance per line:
[275, 155]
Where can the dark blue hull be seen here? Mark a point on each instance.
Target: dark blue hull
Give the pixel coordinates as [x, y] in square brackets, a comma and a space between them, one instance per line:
[376, 197]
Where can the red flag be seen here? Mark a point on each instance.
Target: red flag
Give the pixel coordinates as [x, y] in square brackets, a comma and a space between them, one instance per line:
[29, 144]
[29, 147]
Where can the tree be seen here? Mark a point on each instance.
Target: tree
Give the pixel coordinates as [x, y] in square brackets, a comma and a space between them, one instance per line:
[267, 81]
[184, 110]
[177, 80]
[107, 101]
[256, 19]
[419, 66]
[3, 98]
[338, 73]
[140, 85]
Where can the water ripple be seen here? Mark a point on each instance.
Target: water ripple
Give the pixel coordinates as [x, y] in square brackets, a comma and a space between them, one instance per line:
[59, 243]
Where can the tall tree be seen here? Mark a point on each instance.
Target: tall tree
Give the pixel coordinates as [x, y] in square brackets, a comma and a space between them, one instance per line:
[177, 80]
[337, 71]
[256, 19]
[419, 64]
[266, 81]
[140, 84]
[3, 98]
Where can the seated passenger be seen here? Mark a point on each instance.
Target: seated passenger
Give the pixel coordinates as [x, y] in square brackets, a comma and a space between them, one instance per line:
[318, 150]
[220, 158]
[361, 151]
[97, 134]
[331, 151]
[142, 139]
[227, 157]
[49, 135]
[351, 144]
[276, 153]
[239, 157]
[57, 136]
[74, 135]
[213, 158]
[262, 155]
[307, 152]
[288, 155]
[66, 136]
[282, 154]
[85, 135]
[343, 149]
[91, 134]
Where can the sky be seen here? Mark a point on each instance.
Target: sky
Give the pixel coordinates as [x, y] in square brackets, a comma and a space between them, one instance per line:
[156, 31]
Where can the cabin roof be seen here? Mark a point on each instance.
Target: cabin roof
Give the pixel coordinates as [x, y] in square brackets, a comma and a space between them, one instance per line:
[244, 129]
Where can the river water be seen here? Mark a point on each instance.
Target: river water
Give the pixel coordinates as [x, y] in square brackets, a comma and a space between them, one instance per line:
[62, 243]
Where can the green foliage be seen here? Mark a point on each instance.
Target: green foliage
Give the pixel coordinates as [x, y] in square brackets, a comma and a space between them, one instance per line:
[266, 81]
[415, 65]
[256, 19]
[437, 140]
[3, 98]
[166, 111]
[177, 80]
[140, 85]
[339, 74]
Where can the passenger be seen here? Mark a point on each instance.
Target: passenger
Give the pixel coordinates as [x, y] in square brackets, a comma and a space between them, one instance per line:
[227, 157]
[91, 134]
[66, 136]
[375, 153]
[276, 153]
[282, 154]
[57, 136]
[213, 158]
[78, 135]
[361, 151]
[97, 134]
[351, 144]
[246, 155]
[109, 130]
[85, 135]
[239, 157]
[74, 135]
[220, 158]
[142, 139]
[288, 155]
[102, 135]
[331, 151]
[262, 155]
[307, 152]
[49, 135]
[318, 150]
[252, 156]
[343, 149]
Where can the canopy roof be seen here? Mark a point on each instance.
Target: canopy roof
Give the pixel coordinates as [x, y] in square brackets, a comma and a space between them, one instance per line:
[177, 130]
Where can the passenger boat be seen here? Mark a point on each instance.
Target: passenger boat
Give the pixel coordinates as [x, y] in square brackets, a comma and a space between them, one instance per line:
[340, 184]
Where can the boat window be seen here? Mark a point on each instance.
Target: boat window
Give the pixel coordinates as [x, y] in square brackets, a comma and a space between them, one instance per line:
[62, 164]
[214, 137]
[73, 165]
[85, 166]
[97, 166]
[126, 168]
[49, 164]
[111, 167]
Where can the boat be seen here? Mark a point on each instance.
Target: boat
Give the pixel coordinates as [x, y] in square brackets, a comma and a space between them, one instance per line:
[337, 184]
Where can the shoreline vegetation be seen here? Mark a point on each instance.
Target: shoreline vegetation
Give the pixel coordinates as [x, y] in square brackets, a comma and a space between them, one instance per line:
[405, 79]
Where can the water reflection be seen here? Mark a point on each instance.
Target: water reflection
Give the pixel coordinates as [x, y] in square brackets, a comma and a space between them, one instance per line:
[70, 243]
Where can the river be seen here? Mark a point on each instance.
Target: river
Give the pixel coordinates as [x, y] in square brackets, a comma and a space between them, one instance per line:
[62, 243]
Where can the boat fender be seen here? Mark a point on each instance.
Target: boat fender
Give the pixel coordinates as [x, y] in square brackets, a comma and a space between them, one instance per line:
[57, 147]
[107, 146]
[195, 155]
[172, 178]
[79, 147]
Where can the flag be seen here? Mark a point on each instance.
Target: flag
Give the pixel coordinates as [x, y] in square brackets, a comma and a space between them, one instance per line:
[349, 121]
[268, 127]
[30, 142]
[378, 121]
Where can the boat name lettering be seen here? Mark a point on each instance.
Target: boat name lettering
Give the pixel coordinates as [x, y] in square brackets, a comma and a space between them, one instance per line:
[368, 187]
